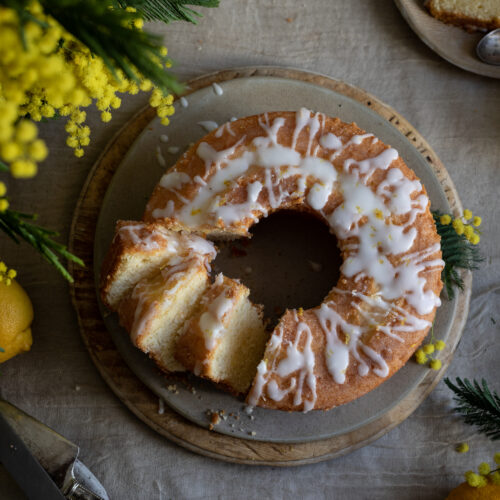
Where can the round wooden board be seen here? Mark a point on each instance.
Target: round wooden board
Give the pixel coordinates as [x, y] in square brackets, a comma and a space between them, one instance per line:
[452, 43]
[144, 403]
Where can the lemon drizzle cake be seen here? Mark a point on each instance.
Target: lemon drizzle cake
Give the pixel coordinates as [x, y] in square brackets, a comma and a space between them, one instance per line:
[382, 307]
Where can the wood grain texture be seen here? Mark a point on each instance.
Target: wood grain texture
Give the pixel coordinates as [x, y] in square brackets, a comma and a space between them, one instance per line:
[452, 43]
[138, 398]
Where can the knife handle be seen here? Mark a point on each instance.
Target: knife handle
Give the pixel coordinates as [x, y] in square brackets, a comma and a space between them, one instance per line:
[78, 492]
[81, 484]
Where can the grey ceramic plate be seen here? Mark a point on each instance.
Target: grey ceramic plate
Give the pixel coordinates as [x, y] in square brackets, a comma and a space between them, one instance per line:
[132, 185]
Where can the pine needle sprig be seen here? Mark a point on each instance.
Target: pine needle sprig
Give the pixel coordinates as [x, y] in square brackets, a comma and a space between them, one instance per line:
[168, 10]
[458, 252]
[478, 405]
[17, 226]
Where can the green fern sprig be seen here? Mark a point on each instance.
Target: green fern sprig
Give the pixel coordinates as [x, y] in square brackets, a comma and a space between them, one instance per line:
[478, 405]
[458, 252]
[17, 225]
[168, 10]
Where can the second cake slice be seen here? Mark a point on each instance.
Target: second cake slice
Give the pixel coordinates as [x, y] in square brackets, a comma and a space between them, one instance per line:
[155, 310]
[226, 337]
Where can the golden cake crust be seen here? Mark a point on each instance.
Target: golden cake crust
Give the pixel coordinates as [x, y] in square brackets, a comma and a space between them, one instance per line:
[297, 372]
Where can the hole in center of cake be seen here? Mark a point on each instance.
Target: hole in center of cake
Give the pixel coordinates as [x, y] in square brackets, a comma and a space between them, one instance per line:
[291, 261]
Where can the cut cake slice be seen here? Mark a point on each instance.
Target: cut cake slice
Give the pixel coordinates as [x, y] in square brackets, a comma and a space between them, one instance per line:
[470, 14]
[156, 309]
[225, 339]
[138, 251]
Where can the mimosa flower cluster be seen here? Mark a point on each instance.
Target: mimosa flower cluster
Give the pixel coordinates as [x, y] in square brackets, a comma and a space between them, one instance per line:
[46, 73]
[466, 225]
[484, 474]
[6, 275]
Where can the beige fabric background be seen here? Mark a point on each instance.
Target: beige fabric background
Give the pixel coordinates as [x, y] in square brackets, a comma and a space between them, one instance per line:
[366, 43]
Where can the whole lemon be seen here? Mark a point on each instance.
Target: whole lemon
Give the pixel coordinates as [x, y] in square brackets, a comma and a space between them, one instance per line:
[16, 315]
[466, 492]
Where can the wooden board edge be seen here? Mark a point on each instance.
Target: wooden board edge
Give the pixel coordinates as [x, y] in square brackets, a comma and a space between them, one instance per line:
[143, 402]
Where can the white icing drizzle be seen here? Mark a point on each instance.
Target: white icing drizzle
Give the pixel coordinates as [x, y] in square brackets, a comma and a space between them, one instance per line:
[217, 89]
[160, 158]
[377, 247]
[148, 241]
[330, 141]
[300, 363]
[224, 128]
[211, 322]
[208, 125]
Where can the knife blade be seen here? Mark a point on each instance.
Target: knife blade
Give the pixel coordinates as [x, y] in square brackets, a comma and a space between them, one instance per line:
[54, 453]
[21, 464]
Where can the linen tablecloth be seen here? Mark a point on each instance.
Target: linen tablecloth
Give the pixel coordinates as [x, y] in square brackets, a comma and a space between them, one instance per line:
[368, 44]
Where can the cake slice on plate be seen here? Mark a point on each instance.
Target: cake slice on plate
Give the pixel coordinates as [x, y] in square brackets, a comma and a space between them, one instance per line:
[225, 339]
[469, 14]
[138, 251]
[158, 306]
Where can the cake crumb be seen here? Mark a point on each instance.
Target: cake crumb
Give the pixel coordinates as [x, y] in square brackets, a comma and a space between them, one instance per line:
[161, 406]
[248, 270]
[214, 417]
[289, 19]
[164, 138]
[77, 388]
[253, 433]
[173, 150]
[193, 390]
[172, 388]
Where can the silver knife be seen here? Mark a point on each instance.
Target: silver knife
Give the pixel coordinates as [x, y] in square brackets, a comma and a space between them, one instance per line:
[36, 456]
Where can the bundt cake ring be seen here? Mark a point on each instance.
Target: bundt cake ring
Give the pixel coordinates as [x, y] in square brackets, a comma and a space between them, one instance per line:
[371, 321]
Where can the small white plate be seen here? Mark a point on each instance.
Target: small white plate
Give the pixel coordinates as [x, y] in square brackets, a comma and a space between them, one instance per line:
[452, 43]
